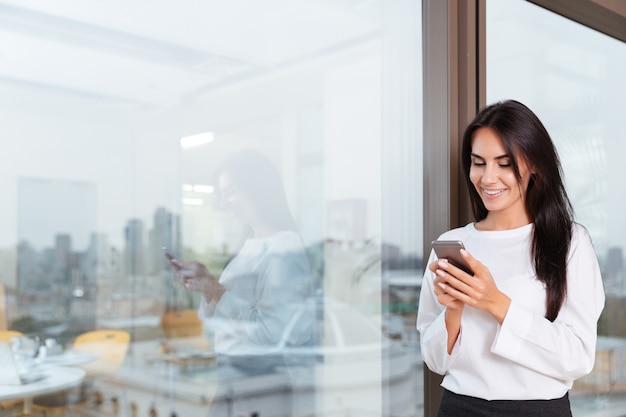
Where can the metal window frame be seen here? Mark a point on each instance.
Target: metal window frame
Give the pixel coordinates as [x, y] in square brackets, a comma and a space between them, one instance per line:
[605, 16]
[454, 89]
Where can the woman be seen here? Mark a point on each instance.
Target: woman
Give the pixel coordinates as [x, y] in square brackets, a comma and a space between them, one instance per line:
[511, 339]
[258, 306]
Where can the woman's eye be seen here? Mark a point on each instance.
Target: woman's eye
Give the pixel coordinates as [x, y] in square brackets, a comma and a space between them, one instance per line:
[504, 164]
[478, 163]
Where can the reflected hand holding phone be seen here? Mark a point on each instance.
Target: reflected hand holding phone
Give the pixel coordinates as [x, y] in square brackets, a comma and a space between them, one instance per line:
[169, 254]
[173, 260]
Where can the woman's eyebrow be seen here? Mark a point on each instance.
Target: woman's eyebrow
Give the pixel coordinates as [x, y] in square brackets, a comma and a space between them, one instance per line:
[497, 157]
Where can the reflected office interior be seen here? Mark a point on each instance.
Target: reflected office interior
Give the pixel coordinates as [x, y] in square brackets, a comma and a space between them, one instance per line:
[115, 118]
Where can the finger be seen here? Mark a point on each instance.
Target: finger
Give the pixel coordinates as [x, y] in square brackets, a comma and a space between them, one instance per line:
[191, 284]
[449, 281]
[440, 287]
[445, 265]
[436, 283]
[455, 272]
[184, 268]
[456, 294]
[448, 300]
[174, 263]
[475, 264]
[186, 273]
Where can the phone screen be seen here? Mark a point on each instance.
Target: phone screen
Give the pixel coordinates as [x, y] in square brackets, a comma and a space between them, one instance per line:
[451, 250]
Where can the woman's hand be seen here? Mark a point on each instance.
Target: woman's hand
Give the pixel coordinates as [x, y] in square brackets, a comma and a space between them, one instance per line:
[454, 306]
[454, 287]
[194, 276]
[444, 298]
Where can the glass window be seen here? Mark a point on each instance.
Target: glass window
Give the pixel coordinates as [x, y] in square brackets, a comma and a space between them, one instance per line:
[274, 147]
[572, 77]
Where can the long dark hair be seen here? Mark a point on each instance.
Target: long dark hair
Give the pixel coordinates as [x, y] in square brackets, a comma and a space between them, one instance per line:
[259, 180]
[525, 138]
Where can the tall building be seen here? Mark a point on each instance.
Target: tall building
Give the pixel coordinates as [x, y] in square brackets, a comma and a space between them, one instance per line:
[135, 249]
[28, 269]
[62, 254]
[165, 232]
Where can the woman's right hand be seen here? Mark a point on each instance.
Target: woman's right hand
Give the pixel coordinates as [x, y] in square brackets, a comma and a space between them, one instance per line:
[443, 296]
[454, 306]
[194, 276]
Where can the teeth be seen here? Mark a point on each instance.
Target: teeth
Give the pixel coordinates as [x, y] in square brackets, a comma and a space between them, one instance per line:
[493, 192]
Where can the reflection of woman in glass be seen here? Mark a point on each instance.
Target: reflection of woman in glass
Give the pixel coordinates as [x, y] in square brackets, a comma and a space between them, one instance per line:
[511, 338]
[255, 310]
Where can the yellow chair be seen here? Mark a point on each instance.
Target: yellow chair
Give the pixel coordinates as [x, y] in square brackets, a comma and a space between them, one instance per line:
[111, 347]
[182, 329]
[181, 323]
[6, 335]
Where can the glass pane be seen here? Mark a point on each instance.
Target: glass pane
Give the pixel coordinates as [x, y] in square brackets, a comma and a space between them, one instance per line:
[275, 143]
[572, 77]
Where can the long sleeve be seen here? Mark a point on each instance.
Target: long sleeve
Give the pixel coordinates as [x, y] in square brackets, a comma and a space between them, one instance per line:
[565, 348]
[267, 285]
[281, 287]
[527, 356]
[432, 326]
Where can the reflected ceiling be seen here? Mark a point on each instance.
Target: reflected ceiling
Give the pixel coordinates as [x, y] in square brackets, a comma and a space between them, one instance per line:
[160, 52]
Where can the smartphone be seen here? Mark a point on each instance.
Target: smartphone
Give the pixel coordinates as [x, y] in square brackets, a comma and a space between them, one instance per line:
[451, 250]
[169, 254]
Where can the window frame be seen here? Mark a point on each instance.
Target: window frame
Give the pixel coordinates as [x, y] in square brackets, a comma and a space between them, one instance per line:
[454, 79]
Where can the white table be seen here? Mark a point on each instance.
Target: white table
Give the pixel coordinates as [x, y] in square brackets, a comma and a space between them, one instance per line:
[56, 378]
[70, 358]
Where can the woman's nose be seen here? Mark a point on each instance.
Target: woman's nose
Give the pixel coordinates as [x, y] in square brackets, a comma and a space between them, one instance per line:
[490, 175]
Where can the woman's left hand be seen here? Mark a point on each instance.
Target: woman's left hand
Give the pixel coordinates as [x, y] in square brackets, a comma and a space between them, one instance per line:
[478, 291]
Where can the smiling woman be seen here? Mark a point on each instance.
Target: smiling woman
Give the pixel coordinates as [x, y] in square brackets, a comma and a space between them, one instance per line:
[523, 327]
[502, 190]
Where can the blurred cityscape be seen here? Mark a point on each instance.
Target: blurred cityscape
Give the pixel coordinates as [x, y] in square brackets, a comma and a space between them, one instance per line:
[63, 291]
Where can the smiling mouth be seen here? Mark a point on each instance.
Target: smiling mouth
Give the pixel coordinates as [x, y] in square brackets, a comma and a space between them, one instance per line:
[492, 193]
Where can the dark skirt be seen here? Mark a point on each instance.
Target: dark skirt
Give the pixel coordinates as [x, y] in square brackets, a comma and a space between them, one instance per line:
[455, 405]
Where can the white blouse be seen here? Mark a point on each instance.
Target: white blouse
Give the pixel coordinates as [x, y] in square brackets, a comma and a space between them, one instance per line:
[527, 357]
[267, 283]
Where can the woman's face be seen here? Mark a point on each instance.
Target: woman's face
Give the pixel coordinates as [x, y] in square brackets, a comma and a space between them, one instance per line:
[235, 201]
[493, 176]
